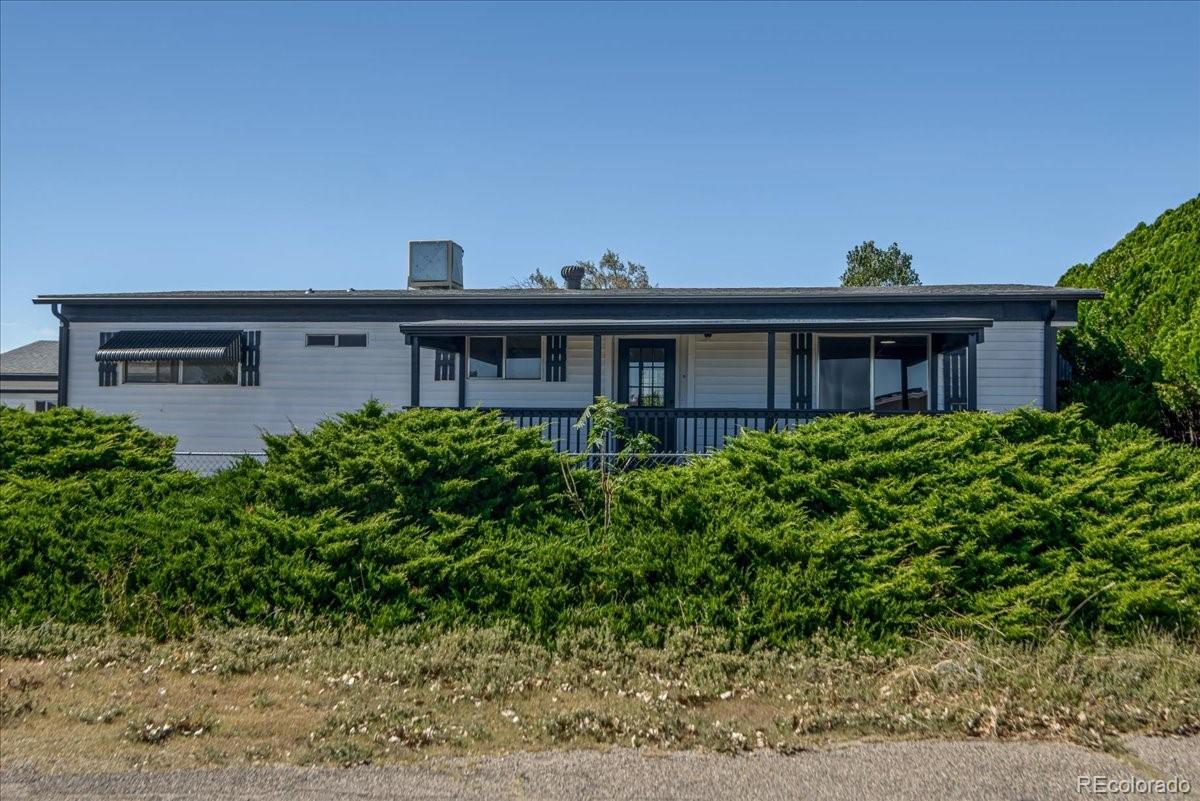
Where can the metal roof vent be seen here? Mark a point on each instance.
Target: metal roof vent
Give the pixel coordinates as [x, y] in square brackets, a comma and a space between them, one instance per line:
[572, 276]
[435, 264]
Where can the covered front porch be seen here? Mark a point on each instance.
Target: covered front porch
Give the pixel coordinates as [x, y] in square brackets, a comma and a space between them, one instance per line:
[692, 384]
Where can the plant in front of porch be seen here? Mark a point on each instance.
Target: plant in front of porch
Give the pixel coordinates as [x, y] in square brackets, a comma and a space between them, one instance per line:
[619, 449]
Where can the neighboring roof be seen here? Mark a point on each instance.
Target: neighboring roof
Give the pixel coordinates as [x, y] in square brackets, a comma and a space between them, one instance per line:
[192, 345]
[38, 358]
[825, 294]
[941, 325]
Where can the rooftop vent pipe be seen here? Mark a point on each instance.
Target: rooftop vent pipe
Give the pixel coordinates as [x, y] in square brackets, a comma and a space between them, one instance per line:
[573, 276]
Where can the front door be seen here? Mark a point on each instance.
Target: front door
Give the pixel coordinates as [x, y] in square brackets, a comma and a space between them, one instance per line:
[646, 379]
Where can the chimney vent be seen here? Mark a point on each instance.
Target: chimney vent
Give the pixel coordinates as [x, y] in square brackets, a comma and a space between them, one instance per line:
[435, 264]
[573, 276]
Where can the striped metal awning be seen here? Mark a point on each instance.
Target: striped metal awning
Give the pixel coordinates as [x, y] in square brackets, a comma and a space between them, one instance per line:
[124, 346]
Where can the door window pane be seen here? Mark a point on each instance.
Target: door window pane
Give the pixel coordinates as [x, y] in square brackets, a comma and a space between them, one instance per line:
[485, 357]
[151, 372]
[901, 374]
[845, 372]
[647, 376]
[524, 357]
[209, 373]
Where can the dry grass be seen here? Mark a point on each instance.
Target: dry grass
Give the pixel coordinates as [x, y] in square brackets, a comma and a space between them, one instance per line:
[78, 698]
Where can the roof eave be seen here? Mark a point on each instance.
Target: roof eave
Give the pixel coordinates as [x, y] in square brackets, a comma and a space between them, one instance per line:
[576, 296]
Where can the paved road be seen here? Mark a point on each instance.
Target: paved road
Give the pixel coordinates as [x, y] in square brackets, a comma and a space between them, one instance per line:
[893, 771]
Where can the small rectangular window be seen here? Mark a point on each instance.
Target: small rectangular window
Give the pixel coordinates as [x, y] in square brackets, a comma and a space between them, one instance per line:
[151, 372]
[43, 406]
[485, 357]
[352, 340]
[209, 373]
[523, 357]
[320, 340]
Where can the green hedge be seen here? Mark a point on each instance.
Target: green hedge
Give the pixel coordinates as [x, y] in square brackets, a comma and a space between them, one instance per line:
[877, 527]
[1136, 353]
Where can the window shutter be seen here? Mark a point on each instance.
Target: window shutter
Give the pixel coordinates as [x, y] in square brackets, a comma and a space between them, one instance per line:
[443, 365]
[802, 378]
[251, 351]
[556, 358]
[108, 370]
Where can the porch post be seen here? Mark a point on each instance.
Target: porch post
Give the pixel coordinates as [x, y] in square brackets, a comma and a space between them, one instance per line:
[1050, 369]
[414, 381]
[462, 372]
[932, 403]
[972, 373]
[770, 378]
[595, 367]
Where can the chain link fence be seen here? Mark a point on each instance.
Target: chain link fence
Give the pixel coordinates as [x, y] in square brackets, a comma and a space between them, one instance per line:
[207, 463]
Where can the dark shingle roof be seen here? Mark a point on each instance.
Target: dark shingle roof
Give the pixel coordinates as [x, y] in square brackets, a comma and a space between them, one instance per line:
[36, 358]
[824, 293]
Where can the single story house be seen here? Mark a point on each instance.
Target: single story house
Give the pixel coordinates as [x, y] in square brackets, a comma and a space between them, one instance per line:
[29, 376]
[695, 365]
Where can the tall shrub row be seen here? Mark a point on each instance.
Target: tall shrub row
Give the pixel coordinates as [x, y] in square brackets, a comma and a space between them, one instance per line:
[1018, 524]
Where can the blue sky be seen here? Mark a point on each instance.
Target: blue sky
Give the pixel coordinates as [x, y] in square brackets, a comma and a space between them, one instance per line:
[274, 146]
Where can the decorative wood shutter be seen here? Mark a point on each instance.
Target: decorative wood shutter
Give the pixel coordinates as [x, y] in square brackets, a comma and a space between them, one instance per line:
[443, 365]
[556, 358]
[954, 367]
[251, 352]
[802, 377]
[108, 370]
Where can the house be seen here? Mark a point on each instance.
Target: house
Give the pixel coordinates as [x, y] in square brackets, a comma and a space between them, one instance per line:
[29, 376]
[695, 365]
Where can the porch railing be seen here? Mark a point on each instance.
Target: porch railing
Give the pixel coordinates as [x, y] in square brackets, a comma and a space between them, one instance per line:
[677, 431]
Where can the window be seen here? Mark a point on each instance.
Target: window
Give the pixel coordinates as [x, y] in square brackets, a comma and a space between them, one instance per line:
[43, 406]
[844, 372]
[152, 372]
[209, 373]
[523, 357]
[884, 373]
[180, 372]
[335, 340]
[515, 357]
[485, 357]
[901, 374]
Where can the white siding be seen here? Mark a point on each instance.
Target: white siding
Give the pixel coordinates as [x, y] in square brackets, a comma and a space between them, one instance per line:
[300, 385]
[26, 399]
[730, 370]
[1010, 365]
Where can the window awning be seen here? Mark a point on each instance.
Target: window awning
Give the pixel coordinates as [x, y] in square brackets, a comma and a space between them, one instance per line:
[880, 325]
[222, 346]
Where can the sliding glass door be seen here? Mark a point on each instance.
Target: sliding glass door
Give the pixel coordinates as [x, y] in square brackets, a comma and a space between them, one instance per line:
[901, 374]
[844, 372]
[884, 373]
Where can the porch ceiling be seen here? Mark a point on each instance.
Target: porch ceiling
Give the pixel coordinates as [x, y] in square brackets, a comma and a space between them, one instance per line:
[883, 325]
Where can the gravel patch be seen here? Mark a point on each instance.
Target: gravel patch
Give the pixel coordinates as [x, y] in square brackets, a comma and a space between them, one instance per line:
[894, 771]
